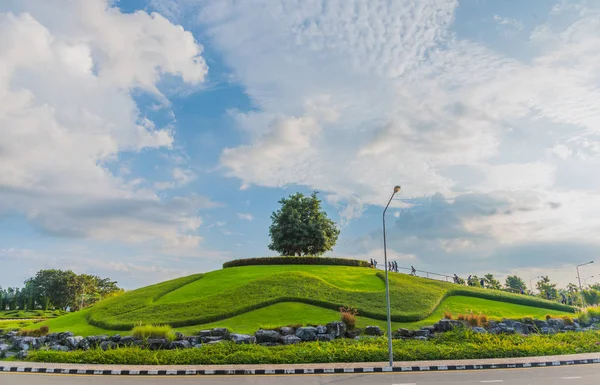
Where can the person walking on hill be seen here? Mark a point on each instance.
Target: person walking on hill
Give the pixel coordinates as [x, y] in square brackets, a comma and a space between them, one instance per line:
[375, 263]
[456, 279]
[470, 281]
[371, 263]
[563, 298]
[413, 271]
[482, 282]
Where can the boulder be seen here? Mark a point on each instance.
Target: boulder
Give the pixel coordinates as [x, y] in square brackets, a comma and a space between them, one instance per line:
[25, 343]
[479, 330]
[207, 340]
[421, 333]
[116, 338]
[569, 328]
[204, 333]
[405, 333]
[270, 336]
[106, 345]
[3, 349]
[539, 324]
[336, 328]
[242, 338]
[93, 341]
[182, 344]
[547, 330]
[325, 337]
[157, 343]
[519, 327]
[73, 342]
[84, 344]
[556, 323]
[446, 325]
[59, 348]
[21, 355]
[308, 333]
[291, 339]
[219, 332]
[193, 340]
[501, 328]
[286, 331]
[62, 337]
[179, 336]
[421, 338]
[373, 331]
[126, 341]
[354, 333]
[321, 329]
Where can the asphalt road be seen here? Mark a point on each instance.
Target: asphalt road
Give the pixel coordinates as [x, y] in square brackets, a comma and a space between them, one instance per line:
[576, 375]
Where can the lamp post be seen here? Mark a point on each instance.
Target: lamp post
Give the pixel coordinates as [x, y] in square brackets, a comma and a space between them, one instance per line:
[579, 279]
[387, 284]
[530, 285]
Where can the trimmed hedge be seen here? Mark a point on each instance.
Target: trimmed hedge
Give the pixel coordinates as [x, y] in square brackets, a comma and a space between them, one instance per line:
[296, 261]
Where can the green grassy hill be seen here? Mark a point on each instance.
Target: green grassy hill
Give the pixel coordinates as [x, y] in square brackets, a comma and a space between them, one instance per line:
[246, 298]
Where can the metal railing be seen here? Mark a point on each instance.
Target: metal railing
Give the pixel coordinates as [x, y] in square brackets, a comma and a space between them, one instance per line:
[423, 273]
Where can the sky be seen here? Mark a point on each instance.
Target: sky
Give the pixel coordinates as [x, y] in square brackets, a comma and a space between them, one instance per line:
[144, 140]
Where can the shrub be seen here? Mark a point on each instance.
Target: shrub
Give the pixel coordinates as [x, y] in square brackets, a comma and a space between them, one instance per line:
[461, 317]
[348, 315]
[482, 320]
[548, 316]
[296, 261]
[42, 331]
[447, 315]
[568, 320]
[593, 312]
[527, 320]
[145, 332]
[472, 319]
[584, 318]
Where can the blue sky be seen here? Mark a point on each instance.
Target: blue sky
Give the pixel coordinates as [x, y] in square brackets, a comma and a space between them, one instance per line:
[145, 140]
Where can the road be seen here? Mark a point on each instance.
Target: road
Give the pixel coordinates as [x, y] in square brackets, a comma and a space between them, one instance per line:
[565, 375]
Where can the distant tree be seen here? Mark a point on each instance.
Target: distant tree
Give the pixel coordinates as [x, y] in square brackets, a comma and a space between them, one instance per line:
[591, 297]
[492, 282]
[300, 227]
[572, 288]
[546, 288]
[515, 283]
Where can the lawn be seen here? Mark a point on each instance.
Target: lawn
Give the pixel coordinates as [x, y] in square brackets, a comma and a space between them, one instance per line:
[250, 296]
[30, 314]
[8, 325]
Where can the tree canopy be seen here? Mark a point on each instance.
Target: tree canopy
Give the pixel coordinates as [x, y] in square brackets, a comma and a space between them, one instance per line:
[515, 283]
[300, 227]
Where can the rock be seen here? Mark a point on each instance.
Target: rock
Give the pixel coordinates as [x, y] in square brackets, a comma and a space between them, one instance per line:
[84, 344]
[157, 343]
[208, 340]
[569, 328]
[373, 331]
[321, 329]
[337, 328]
[73, 342]
[116, 338]
[539, 324]
[59, 348]
[291, 339]
[193, 340]
[353, 333]
[547, 330]
[126, 341]
[271, 336]
[325, 337]
[62, 337]
[308, 333]
[93, 341]
[421, 333]
[197, 346]
[405, 333]
[447, 325]
[219, 332]
[479, 330]
[286, 331]
[421, 338]
[204, 333]
[216, 341]
[179, 336]
[25, 343]
[502, 329]
[519, 327]
[3, 349]
[21, 355]
[242, 338]
[182, 344]
[106, 345]
[556, 323]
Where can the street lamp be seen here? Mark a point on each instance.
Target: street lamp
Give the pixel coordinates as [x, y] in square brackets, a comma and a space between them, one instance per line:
[579, 279]
[387, 284]
[530, 285]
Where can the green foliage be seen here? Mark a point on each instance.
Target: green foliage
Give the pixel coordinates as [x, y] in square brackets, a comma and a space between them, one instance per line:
[491, 282]
[456, 345]
[546, 288]
[300, 227]
[144, 332]
[304, 260]
[591, 297]
[515, 283]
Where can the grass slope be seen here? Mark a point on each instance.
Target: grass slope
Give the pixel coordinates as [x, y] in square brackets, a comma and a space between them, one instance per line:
[241, 296]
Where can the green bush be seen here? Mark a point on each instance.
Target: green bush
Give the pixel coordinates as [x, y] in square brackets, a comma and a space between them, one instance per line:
[296, 261]
[145, 332]
[453, 345]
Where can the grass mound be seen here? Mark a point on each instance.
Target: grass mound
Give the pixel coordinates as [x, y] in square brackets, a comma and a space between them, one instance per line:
[238, 291]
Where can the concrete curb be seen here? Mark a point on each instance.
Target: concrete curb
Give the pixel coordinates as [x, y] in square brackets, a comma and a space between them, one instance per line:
[315, 370]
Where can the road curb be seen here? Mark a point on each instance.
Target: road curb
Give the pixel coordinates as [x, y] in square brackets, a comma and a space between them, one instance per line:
[316, 370]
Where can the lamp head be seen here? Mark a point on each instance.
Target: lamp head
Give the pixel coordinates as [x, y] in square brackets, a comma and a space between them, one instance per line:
[396, 189]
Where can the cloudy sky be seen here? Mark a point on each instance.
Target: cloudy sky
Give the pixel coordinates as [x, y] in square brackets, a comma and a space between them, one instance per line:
[148, 139]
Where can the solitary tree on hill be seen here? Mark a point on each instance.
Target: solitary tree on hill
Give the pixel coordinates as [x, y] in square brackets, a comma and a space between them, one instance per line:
[300, 227]
[515, 283]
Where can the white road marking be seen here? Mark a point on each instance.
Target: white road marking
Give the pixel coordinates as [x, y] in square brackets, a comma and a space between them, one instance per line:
[570, 378]
[492, 381]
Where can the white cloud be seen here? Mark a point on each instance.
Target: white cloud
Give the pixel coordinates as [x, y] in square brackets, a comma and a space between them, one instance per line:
[245, 216]
[66, 112]
[561, 151]
[507, 21]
